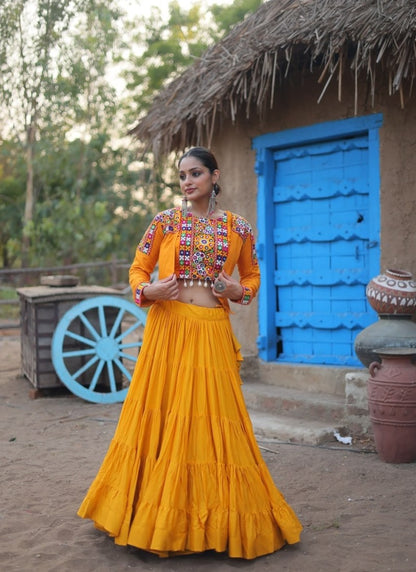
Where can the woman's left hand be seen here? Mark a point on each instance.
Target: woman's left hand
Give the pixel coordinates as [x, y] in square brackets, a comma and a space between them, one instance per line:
[233, 289]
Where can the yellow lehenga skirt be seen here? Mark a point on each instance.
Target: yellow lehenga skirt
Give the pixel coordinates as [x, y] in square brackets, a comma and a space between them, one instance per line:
[183, 472]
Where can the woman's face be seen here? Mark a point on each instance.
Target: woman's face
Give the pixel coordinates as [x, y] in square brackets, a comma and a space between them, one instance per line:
[196, 180]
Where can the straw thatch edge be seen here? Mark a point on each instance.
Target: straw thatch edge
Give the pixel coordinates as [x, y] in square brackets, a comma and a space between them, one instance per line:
[242, 72]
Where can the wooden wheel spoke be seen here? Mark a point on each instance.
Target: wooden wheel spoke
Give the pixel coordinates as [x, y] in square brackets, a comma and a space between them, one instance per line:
[117, 323]
[85, 367]
[132, 345]
[76, 353]
[128, 356]
[82, 339]
[101, 317]
[122, 367]
[128, 331]
[112, 379]
[89, 326]
[96, 375]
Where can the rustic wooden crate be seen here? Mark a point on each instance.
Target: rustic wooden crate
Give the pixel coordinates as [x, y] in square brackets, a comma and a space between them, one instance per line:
[41, 308]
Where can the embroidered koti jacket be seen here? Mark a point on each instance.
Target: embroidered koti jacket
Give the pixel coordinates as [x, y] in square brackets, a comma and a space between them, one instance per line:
[196, 249]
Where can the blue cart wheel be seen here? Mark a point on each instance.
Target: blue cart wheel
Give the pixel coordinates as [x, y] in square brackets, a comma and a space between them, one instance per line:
[95, 347]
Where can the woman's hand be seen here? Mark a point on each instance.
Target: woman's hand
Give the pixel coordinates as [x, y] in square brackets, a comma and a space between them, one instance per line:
[233, 289]
[165, 289]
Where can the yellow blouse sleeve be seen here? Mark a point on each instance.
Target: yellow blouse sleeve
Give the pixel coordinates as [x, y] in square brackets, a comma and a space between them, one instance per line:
[248, 266]
[145, 260]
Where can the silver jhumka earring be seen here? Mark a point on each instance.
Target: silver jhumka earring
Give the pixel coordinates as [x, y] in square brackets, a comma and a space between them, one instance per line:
[212, 204]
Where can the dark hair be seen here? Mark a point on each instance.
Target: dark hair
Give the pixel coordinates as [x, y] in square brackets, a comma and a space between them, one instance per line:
[206, 158]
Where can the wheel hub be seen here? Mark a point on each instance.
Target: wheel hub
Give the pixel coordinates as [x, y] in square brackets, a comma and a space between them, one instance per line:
[107, 349]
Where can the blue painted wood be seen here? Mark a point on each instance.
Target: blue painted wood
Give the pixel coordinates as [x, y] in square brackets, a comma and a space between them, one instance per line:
[268, 338]
[319, 132]
[303, 275]
[318, 187]
[103, 344]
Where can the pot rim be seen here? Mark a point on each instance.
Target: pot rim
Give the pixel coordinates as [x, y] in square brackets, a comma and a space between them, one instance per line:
[396, 273]
[399, 351]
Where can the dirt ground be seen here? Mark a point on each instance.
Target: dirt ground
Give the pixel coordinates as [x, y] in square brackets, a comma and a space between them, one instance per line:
[358, 513]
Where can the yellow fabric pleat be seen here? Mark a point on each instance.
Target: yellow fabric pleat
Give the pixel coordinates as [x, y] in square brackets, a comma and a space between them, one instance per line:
[183, 472]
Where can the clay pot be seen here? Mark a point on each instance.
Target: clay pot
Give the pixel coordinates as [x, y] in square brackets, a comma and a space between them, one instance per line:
[390, 331]
[391, 393]
[393, 292]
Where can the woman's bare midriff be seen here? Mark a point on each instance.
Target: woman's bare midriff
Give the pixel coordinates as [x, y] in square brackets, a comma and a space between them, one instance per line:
[197, 295]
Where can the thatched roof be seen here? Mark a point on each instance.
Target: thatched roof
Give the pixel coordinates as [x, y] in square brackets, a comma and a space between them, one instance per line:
[242, 72]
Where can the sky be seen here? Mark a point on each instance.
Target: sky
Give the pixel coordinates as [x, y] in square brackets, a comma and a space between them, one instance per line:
[144, 6]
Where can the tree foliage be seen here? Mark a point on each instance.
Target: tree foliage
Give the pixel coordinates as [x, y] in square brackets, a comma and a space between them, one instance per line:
[12, 181]
[72, 186]
[170, 46]
[227, 16]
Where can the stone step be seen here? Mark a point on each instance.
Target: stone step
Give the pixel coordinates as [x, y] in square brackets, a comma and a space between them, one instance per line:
[276, 401]
[291, 415]
[283, 428]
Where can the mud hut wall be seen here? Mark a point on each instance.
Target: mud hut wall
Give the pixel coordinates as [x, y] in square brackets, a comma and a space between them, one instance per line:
[398, 187]
[238, 182]
[297, 106]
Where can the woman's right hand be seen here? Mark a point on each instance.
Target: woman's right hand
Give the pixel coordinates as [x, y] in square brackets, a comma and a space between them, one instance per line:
[165, 289]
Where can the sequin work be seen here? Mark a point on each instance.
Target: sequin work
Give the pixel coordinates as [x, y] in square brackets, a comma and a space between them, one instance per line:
[203, 247]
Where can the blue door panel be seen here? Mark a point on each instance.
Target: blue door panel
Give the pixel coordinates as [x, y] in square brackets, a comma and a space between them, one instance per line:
[317, 216]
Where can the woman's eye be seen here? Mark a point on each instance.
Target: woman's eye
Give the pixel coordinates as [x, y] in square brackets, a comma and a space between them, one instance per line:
[194, 174]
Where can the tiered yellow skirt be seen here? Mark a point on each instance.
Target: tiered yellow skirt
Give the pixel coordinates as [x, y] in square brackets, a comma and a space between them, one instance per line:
[183, 472]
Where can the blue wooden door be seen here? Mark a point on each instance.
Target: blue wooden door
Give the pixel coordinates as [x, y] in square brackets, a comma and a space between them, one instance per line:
[318, 242]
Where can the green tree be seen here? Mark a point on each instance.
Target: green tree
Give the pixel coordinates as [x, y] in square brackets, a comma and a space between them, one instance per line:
[168, 47]
[97, 216]
[72, 186]
[53, 57]
[227, 16]
[29, 37]
[12, 180]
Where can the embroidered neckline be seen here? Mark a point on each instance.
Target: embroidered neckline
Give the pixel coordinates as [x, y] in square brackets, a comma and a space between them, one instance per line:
[206, 217]
[203, 247]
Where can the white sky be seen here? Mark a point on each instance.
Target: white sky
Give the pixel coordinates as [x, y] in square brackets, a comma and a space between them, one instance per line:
[144, 6]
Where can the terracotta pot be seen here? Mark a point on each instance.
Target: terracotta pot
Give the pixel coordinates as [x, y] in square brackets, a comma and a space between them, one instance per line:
[393, 292]
[392, 404]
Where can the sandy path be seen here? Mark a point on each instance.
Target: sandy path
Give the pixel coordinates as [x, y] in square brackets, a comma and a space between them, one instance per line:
[359, 513]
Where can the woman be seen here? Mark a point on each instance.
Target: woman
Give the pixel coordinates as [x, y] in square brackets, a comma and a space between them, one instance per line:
[183, 472]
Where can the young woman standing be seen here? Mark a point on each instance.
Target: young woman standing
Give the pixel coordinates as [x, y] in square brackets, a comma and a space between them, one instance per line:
[183, 473]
